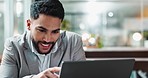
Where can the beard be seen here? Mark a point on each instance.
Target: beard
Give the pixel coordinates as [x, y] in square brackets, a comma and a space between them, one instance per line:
[36, 43]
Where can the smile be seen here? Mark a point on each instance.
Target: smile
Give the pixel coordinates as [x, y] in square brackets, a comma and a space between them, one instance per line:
[45, 45]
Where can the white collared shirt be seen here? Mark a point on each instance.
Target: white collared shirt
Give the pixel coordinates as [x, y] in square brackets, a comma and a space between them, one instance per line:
[44, 60]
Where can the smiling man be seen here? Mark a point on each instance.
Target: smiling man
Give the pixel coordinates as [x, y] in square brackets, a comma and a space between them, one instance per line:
[46, 31]
[38, 52]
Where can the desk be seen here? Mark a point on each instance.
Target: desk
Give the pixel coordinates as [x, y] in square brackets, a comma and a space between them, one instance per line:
[139, 54]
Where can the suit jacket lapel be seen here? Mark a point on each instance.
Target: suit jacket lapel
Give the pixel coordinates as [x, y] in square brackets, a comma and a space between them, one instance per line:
[31, 58]
[32, 62]
[58, 55]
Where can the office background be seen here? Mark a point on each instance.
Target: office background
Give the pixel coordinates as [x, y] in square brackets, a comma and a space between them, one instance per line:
[109, 28]
[102, 23]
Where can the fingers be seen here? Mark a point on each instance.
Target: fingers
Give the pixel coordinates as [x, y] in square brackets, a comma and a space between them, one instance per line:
[48, 74]
[54, 69]
[51, 72]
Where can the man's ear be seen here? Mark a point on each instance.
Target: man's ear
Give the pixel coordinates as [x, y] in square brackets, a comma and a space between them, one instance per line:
[28, 24]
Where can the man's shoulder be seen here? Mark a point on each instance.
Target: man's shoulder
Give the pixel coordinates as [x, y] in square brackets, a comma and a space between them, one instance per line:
[15, 38]
[70, 34]
[11, 41]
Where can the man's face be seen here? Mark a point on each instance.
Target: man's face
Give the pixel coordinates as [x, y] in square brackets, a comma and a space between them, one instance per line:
[45, 31]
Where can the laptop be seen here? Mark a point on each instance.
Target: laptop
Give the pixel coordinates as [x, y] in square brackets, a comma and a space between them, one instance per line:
[114, 68]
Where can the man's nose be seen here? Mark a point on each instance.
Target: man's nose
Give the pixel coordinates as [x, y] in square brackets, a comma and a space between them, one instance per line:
[48, 37]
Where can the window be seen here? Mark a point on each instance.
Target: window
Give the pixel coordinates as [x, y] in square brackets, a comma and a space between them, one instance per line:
[12, 19]
[1, 26]
[113, 23]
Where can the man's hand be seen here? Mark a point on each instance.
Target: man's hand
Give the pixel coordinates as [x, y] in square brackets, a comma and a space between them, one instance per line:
[48, 73]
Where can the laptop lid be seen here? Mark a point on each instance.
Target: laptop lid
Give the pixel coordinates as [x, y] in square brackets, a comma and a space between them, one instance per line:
[115, 68]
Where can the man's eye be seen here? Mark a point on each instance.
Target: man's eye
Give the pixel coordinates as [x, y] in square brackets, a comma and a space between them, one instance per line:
[41, 30]
[56, 31]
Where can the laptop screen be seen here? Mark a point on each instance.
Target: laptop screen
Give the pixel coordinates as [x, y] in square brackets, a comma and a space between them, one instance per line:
[115, 68]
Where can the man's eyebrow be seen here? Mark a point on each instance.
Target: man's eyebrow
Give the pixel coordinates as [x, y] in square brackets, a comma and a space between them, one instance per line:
[41, 27]
[56, 29]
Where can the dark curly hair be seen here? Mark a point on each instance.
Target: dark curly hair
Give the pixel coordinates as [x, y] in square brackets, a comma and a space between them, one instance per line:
[51, 8]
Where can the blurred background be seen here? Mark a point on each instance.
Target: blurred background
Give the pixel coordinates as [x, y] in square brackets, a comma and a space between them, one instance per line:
[101, 23]
[108, 23]
[109, 28]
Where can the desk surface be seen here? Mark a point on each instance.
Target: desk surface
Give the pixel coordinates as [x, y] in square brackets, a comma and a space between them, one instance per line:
[140, 55]
[116, 49]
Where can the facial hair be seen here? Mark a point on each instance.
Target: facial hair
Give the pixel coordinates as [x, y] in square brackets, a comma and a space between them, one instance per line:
[35, 44]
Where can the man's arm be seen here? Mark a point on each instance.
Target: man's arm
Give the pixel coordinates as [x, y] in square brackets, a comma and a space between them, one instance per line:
[77, 50]
[8, 68]
[48, 73]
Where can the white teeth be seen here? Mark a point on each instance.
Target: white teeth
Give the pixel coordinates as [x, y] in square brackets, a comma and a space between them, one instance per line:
[45, 45]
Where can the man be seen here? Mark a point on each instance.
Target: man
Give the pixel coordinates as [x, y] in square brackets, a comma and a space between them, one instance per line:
[38, 53]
